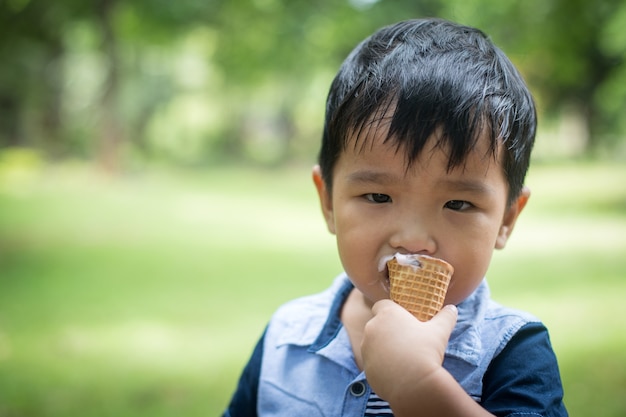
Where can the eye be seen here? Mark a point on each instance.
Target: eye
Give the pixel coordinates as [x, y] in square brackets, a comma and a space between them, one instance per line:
[458, 205]
[378, 198]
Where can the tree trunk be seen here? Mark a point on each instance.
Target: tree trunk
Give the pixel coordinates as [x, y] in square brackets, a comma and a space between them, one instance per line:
[111, 133]
[51, 117]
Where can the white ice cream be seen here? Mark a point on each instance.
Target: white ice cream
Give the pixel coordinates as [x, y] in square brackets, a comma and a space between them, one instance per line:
[402, 259]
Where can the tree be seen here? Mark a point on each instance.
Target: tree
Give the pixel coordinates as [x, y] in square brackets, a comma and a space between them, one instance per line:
[571, 52]
[268, 61]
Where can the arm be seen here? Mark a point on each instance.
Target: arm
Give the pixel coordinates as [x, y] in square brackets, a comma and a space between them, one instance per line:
[244, 400]
[403, 362]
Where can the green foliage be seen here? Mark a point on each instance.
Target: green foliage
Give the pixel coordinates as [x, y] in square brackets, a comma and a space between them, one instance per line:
[192, 83]
[144, 296]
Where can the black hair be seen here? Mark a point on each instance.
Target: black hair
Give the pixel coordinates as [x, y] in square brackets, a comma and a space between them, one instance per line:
[431, 76]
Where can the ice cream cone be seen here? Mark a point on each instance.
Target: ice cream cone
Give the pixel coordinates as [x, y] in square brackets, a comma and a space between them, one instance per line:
[419, 283]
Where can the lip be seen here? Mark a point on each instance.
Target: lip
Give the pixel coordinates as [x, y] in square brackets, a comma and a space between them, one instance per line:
[384, 272]
[385, 279]
[382, 264]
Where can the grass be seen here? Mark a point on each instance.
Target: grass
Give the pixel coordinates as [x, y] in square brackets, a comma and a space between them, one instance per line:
[144, 296]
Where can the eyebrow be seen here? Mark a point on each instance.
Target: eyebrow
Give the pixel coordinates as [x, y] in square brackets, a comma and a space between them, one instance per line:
[372, 177]
[366, 176]
[466, 185]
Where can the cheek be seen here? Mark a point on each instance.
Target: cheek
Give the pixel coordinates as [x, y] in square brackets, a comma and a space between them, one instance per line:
[354, 232]
[356, 247]
[359, 247]
[470, 269]
[349, 239]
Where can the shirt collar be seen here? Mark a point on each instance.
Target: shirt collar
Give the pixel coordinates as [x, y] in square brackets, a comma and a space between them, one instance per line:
[464, 344]
[465, 341]
[333, 322]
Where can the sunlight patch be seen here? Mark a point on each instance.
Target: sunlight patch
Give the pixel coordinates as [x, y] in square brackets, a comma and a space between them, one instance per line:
[154, 344]
[547, 234]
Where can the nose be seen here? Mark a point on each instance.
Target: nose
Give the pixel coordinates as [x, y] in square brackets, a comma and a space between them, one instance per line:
[412, 233]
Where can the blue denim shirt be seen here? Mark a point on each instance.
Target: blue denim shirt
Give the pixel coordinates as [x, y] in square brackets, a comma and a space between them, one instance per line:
[307, 367]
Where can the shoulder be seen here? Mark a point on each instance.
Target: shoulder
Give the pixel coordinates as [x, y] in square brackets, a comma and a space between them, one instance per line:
[484, 327]
[503, 359]
[503, 323]
[524, 377]
[483, 330]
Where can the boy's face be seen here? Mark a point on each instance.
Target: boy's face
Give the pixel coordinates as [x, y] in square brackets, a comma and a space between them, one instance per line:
[379, 207]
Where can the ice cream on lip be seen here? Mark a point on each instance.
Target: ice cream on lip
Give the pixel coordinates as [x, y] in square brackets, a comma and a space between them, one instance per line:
[402, 259]
[410, 259]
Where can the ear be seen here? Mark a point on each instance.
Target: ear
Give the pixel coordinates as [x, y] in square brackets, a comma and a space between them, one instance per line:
[325, 198]
[510, 217]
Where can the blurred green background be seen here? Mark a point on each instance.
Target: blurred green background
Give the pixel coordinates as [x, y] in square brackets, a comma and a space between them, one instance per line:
[156, 204]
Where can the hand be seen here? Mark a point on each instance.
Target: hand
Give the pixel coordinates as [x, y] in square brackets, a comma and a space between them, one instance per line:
[400, 352]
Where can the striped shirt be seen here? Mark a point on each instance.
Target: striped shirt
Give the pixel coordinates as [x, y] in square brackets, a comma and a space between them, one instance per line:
[377, 407]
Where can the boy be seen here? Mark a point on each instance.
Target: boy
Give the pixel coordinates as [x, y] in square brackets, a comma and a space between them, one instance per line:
[426, 144]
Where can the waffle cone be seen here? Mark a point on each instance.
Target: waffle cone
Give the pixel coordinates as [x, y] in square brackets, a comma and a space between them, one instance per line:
[420, 289]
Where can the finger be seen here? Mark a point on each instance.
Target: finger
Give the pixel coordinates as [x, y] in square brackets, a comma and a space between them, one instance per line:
[383, 305]
[447, 317]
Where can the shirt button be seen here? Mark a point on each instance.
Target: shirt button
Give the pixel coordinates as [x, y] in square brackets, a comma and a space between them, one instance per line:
[357, 389]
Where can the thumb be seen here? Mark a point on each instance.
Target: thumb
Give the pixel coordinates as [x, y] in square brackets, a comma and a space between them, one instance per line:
[446, 318]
